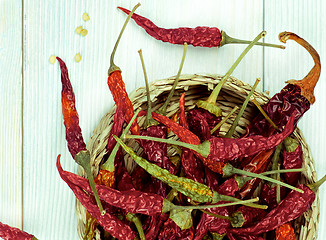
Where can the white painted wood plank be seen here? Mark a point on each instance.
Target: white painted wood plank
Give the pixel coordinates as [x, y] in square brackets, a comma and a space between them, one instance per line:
[307, 19]
[49, 28]
[11, 113]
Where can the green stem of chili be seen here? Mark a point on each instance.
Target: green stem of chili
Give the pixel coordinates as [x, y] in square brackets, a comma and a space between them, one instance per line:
[135, 219]
[276, 158]
[217, 215]
[83, 159]
[149, 119]
[290, 144]
[213, 97]
[224, 119]
[283, 171]
[226, 39]
[162, 110]
[262, 111]
[203, 148]
[242, 109]
[314, 186]
[109, 164]
[278, 187]
[113, 67]
[229, 170]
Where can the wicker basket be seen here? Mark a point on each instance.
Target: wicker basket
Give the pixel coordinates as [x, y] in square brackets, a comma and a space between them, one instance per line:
[195, 87]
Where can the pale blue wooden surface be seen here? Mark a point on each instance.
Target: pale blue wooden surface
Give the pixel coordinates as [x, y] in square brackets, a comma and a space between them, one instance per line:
[32, 195]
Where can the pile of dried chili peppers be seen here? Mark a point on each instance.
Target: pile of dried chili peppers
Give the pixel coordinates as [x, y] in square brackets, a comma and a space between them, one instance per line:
[206, 190]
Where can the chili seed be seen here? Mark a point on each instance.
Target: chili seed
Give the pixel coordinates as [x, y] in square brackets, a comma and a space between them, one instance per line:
[86, 17]
[78, 57]
[79, 29]
[84, 32]
[52, 59]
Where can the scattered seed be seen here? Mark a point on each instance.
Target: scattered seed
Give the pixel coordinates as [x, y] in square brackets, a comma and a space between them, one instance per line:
[86, 17]
[84, 32]
[52, 59]
[79, 29]
[78, 57]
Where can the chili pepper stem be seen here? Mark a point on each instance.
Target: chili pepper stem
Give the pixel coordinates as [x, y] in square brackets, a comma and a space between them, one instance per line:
[262, 111]
[278, 186]
[243, 107]
[135, 219]
[217, 215]
[113, 67]
[226, 39]
[149, 119]
[109, 164]
[202, 149]
[162, 110]
[229, 170]
[83, 159]
[210, 103]
[224, 119]
[283, 171]
[314, 186]
[168, 206]
[276, 158]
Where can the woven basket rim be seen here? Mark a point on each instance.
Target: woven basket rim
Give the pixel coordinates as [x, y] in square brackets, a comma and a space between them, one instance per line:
[233, 89]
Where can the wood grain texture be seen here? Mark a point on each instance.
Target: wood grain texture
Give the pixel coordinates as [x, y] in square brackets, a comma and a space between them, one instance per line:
[11, 113]
[307, 19]
[49, 29]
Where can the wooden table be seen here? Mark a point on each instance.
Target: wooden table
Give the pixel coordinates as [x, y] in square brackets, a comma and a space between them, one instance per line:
[32, 195]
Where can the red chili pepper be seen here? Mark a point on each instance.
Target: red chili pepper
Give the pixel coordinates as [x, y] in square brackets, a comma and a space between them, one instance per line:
[109, 222]
[295, 98]
[244, 237]
[291, 207]
[250, 215]
[285, 232]
[268, 195]
[10, 233]
[199, 36]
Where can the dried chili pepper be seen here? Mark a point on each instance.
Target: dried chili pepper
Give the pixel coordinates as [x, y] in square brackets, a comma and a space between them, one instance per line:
[292, 158]
[285, 232]
[294, 98]
[74, 137]
[172, 231]
[244, 237]
[248, 214]
[109, 222]
[291, 207]
[117, 86]
[199, 36]
[10, 233]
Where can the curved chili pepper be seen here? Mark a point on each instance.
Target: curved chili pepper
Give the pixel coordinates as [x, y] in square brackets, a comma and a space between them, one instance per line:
[109, 222]
[285, 232]
[10, 233]
[294, 98]
[199, 36]
[249, 214]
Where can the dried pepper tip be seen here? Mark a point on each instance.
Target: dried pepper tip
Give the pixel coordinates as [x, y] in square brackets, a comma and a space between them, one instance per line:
[224, 119]
[113, 67]
[162, 110]
[242, 109]
[149, 119]
[79, 29]
[285, 232]
[314, 186]
[86, 17]
[226, 39]
[109, 164]
[262, 111]
[308, 83]
[83, 159]
[135, 219]
[52, 59]
[229, 170]
[210, 103]
[78, 57]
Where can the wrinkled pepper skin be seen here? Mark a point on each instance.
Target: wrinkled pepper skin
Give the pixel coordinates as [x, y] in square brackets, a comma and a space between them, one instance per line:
[11, 233]
[251, 215]
[292, 160]
[172, 231]
[268, 195]
[291, 207]
[74, 135]
[109, 222]
[285, 232]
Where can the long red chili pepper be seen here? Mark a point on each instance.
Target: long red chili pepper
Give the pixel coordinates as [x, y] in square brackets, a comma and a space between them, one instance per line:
[117, 86]
[199, 36]
[75, 141]
[291, 207]
[10, 233]
[109, 222]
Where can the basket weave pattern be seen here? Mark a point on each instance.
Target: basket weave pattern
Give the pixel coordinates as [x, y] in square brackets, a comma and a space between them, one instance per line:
[198, 86]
